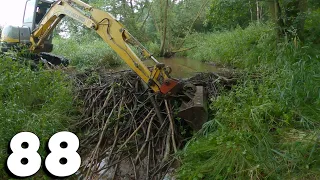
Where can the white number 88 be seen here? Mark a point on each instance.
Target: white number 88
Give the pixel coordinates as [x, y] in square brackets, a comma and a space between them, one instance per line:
[24, 160]
[63, 160]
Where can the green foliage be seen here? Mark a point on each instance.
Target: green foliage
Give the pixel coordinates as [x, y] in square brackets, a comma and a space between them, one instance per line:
[154, 48]
[182, 18]
[133, 15]
[311, 31]
[232, 48]
[86, 52]
[145, 20]
[36, 101]
[289, 17]
[226, 14]
[268, 125]
[314, 4]
[182, 15]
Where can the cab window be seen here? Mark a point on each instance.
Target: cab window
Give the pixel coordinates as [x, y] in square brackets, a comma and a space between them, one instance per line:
[29, 11]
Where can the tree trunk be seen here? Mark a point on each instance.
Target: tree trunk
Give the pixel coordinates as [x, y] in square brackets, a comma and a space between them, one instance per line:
[251, 13]
[258, 11]
[295, 17]
[303, 6]
[164, 29]
[261, 11]
[275, 10]
[294, 13]
[123, 17]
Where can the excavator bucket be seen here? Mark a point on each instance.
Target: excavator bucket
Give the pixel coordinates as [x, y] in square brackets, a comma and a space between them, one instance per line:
[195, 111]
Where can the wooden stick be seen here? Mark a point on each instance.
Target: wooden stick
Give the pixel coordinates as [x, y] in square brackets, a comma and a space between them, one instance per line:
[100, 139]
[171, 126]
[135, 132]
[146, 141]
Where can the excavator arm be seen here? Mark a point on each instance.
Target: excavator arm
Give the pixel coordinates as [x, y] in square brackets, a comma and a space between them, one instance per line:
[193, 108]
[113, 33]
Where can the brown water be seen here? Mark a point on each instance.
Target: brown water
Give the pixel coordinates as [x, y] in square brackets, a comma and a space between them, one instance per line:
[181, 67]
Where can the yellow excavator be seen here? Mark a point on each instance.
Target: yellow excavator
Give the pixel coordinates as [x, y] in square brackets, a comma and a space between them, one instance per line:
[42, 16]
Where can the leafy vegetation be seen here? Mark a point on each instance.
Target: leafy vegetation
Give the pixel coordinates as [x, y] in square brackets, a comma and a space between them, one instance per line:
[86, 52]
[233, 48]
[268, 125]
[164, 23]
[36, 101]
[225, 15]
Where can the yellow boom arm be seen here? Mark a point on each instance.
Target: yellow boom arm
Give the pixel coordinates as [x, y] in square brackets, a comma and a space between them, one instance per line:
[113, 33]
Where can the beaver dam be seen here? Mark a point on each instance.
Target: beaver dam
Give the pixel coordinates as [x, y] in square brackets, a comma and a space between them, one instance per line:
[128, 132]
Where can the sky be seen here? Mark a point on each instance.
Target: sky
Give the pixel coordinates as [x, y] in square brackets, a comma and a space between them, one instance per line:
[11, 12]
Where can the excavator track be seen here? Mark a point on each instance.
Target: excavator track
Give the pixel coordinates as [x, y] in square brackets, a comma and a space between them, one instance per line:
[53, 59]
[35, 59]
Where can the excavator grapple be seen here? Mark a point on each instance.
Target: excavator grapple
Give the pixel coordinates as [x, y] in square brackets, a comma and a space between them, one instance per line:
[195, 111]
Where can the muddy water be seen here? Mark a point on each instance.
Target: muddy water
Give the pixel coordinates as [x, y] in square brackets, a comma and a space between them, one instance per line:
[181, 67]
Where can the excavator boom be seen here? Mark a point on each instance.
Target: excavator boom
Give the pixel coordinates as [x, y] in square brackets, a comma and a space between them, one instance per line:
[120, 40]
[112, 32]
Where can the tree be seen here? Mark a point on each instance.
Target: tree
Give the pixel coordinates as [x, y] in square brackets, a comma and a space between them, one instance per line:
[289, 17]
[163, 22]
[226, 14]
[128, 12]
[174, 20]
[164, 28]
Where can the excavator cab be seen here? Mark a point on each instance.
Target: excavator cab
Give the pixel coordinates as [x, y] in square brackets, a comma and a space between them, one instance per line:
[14, 36]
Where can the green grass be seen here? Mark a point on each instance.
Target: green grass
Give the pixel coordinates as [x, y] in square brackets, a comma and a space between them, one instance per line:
[268, 125]
[232, 47]
[36, 101]
[86, 52]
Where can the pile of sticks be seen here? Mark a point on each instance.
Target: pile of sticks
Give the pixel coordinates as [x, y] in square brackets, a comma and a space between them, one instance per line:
[128, 132]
